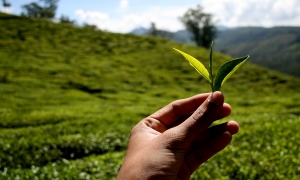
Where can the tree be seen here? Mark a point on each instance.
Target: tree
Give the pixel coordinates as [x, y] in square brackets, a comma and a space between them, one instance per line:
[49, 8]
[153, 30]
[200, 25]
[32, 10]
[5, 4]
[35, 10]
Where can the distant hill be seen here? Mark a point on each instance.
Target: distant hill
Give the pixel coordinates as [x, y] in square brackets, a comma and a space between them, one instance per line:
[276, 48]
[140, 31]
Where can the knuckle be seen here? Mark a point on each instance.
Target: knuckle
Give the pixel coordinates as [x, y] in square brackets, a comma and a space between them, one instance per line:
[176, 107]
[199, 113]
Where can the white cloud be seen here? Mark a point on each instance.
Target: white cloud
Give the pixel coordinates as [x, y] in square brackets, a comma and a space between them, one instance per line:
[164, 18]
[91, 15]
[230, 13]
[123, 4]
[254, 12]
[7, 10]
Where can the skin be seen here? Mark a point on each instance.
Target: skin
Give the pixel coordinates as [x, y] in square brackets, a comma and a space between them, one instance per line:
[174, 141]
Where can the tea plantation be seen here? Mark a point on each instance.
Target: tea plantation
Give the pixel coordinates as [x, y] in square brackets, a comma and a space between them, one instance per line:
[70, 96]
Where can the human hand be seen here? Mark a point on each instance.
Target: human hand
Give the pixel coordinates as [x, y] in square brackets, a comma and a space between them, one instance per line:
[174, 141]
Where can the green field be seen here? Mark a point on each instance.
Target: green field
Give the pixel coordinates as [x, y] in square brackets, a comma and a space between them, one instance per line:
[70, 96]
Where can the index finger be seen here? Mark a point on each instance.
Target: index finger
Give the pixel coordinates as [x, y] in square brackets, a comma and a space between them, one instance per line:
[179, 108]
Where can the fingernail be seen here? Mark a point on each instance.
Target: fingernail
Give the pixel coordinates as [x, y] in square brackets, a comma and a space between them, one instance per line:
[216, 98]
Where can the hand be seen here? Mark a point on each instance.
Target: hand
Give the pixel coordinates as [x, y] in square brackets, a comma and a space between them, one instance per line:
[174, 141]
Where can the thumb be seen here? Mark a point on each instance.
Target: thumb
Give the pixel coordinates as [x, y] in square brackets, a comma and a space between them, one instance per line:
[203, 117]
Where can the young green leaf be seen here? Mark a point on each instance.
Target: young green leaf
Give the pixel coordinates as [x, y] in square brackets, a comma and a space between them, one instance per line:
[196, 64]
[226, 70]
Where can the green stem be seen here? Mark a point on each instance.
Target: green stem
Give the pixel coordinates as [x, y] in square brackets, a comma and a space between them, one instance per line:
[210, 68]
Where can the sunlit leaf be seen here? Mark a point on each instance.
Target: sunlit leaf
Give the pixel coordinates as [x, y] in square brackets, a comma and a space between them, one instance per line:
[196, 64]
[226, 70]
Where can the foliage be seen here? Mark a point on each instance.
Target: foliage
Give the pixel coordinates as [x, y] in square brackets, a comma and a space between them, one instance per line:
[200, 25]
[153, 30]
[5, 3]
[35, 10]
[104, 167]
[225, 71]
[70, 96]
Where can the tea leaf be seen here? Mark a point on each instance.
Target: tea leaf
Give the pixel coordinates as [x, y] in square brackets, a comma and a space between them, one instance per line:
[226, 70]
[196, 64]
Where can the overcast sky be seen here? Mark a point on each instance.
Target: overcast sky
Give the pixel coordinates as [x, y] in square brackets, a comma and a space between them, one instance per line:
[125, 15]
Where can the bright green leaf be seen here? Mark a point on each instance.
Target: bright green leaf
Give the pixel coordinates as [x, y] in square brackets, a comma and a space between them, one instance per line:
[196, 64]
[226, 70]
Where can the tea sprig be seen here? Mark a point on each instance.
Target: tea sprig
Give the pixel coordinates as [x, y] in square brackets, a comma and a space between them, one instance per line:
[225, 71]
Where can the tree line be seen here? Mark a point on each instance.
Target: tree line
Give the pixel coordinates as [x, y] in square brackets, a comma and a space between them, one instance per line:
[199, 23]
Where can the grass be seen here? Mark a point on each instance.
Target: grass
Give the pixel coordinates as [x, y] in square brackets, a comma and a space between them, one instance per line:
[70, 96]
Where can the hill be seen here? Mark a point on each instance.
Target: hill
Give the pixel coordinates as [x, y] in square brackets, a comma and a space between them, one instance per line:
[277, 48]
[70, 96]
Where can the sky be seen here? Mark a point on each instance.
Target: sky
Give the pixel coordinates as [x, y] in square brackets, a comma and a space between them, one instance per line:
[125, 15]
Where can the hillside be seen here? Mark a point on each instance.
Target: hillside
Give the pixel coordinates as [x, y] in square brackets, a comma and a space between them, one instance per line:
[277, 48]
[70, 96]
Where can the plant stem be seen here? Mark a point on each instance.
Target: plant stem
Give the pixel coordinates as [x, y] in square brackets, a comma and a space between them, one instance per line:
[210, 68]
